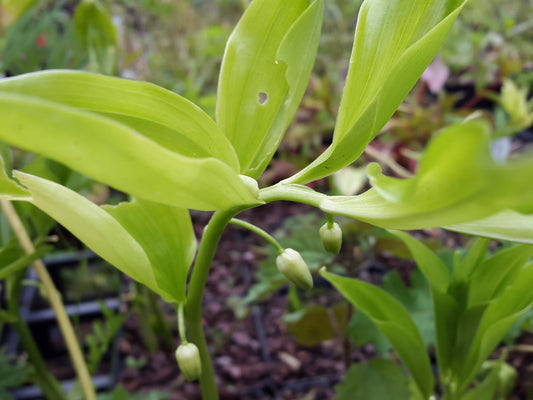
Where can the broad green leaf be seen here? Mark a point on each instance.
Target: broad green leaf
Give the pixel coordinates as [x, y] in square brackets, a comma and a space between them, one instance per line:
[486, 389]
[119, 238]
[395, 41]
[267, 65]
[428, 262]
[179, 125]
[457, 181]
[492, 276]
[498, 317]
[504, 225]
[377, 379]
[166, 235]
[395, 323]
[115, 154]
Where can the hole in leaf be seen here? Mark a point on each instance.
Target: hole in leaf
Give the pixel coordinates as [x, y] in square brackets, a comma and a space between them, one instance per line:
[262, 98]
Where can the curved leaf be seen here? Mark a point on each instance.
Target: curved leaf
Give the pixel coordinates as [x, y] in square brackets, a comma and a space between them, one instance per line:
[167, 237]
[395, 41]
[265, 71]
[9, 189]
[457, 181]
[394, 322]
[152, 243]
[186, 127]
[504, 225]
[499, 316]
[92, 225]
[115, 154]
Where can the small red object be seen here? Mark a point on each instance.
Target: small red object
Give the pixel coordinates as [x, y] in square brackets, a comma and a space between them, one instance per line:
[40, 41]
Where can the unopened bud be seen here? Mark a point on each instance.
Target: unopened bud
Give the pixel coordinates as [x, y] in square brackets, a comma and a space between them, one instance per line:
[291, 264]
[331, 237]
[188, 358]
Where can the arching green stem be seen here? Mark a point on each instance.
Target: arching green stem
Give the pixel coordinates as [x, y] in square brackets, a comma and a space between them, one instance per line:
[255, 229]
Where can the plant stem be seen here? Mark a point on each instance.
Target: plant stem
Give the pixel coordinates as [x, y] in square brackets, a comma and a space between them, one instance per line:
[193, 308]
[255, 229]
[46, 381]
[55, 302]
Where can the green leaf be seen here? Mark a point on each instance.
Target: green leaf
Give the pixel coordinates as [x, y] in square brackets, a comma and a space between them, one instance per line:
[167, 237]
[377, 379]
[395, 41]
[391, 317]
[267, 65]
[97, 33]
[179, 125]
[136, 242]
[497, 319]
[117, 155]
[318, 323]
[504, 225]
[492, 276]
[23, 262]
[431, 265]
[9, 189]
[457, 181]
[11, 375]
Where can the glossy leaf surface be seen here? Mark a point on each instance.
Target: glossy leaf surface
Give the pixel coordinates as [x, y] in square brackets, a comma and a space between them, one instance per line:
[145, 107]
[115, 154]
[395, 41]
[394, 322]
[265, 71]
[457, 181]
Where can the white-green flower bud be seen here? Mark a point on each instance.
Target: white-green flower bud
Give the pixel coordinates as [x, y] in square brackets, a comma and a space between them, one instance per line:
[188, 358]
[291, 264]
[331, 237]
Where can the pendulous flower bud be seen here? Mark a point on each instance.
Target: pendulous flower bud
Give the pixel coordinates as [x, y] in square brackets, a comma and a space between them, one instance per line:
[188, 358]
[291, 264]
[331, 237]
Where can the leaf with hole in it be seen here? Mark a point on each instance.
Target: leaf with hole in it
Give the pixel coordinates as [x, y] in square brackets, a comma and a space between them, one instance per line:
[113, 153]
[152, 243]
[376, 379]
[165, 117]
[391, 317]
[457, 181]
[267, 65]
[395, 41]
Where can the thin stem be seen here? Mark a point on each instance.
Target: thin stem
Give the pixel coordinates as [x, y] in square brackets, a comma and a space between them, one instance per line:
[55, 302]
[46, 381]
[181, 324]
[265, 235]
[291, 192]
[193, 308]
[331, 221]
